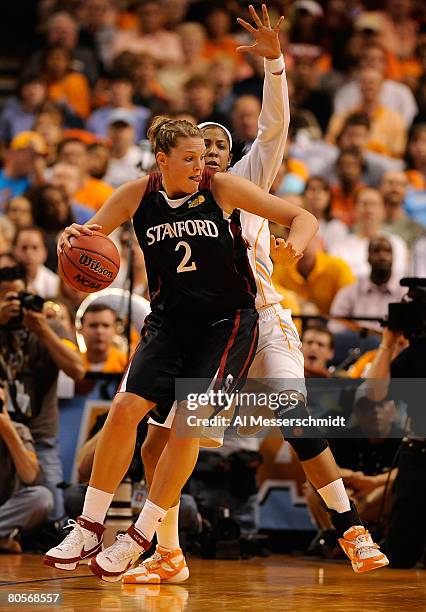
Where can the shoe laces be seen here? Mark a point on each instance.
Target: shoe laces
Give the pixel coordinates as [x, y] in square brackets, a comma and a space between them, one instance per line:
[364, 543]
[123, 548]
[74, 537]
[153, 561]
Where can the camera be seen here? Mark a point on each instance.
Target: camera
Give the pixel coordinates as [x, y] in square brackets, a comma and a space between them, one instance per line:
[27, 300]
[409, 315]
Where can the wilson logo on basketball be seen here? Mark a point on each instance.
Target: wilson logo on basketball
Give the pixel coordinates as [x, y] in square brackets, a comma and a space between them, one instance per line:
[93, 264]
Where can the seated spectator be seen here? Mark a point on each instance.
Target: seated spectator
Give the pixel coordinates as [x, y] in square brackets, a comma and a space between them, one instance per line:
[121, 91]
[49, 123]
[397, 97]
[31, 252]
[318, 350]
[364, 455]
[394, 191]
[98, 155]
[92, 192]
[148, 92]
[222, 73]
[35, 349]
[220, 42]
[200, 98]
[369, 219]
[19, 211]
[67, 177]
[372, 293]
[98, 28]
[7, 234]
[62, 29]
[388, 131]
[317, 199]
[19, 112]
[52, 212]
[24, 503]
[416, 157]
[150, 37]
[349, 172]
[125, 156]
[245, 115]
[308, 96]
[63, 84]
[21, 165]
[316, 278]
[98, 328]
[399, 28]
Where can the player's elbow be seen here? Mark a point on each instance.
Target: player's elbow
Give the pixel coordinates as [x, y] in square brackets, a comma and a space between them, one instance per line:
[310, 220]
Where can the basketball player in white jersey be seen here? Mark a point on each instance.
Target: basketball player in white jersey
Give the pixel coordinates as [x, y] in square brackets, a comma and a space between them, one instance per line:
[278, 356]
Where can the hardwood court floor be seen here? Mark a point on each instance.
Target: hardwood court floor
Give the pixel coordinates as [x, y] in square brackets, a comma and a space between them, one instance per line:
[275, 583]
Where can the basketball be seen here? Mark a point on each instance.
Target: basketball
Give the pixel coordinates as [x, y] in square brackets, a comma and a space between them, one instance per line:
[91, 264]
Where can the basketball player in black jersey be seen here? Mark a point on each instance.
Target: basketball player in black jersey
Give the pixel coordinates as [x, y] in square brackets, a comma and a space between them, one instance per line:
[203, 324]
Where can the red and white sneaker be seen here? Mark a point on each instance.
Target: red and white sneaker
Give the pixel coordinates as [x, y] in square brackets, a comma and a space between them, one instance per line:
[364, 554]
[164, 566]
[80, 545]
[114, 561]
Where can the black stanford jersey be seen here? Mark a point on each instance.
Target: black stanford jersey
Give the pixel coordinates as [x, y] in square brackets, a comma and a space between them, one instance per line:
[196, 259]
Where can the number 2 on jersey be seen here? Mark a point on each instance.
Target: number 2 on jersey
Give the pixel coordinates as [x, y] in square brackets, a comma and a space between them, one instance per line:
[182, 267]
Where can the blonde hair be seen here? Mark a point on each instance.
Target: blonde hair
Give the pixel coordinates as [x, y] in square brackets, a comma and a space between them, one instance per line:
[164, 133]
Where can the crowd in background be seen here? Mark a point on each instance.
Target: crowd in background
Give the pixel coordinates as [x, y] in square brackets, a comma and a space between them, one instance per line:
[96, 73]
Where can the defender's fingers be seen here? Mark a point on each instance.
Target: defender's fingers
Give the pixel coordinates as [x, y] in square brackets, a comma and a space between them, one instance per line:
[265, 14]
[246, 25]
[255, 16]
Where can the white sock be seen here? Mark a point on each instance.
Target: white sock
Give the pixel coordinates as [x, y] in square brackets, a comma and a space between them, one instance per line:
[335, 496]
[96, 504]
[168, 529]
[149, 519]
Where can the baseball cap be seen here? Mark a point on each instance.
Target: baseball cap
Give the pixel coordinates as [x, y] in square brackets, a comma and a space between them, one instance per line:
[29, 140]
[310, 6]
[121, 115]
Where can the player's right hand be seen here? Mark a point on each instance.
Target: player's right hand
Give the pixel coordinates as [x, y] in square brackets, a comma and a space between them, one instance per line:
[74, 231]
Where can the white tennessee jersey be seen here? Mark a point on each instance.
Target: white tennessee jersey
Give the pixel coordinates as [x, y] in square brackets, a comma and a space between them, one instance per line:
[260, 165]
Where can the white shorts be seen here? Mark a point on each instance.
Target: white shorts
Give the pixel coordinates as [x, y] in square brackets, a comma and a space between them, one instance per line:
[278, 355]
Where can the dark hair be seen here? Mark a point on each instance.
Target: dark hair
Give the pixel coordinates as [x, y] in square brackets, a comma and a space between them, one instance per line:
[198, 81]
[327, 187]
[66, 141]
[120, 76]
[414, 132]
[98, 307]
[37, 196]
[32, 228]
[320, 328]
[12, 273]
[354, 119]
[164, 133]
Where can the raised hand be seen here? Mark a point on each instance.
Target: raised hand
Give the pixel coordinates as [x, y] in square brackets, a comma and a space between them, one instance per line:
[266, 40]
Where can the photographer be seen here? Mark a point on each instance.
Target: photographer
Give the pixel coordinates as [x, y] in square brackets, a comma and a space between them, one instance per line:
[24, 503]
[406, 536]
[32, 351]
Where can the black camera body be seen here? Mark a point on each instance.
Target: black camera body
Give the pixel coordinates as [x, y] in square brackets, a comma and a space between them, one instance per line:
[409, 315]
[30, 301]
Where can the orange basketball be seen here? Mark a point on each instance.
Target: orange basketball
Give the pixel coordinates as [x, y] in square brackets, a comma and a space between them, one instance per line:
[91, 264]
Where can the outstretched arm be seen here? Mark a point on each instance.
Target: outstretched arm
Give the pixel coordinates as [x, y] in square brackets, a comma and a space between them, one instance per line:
[263, 161]
[120, 207]
[232, 192]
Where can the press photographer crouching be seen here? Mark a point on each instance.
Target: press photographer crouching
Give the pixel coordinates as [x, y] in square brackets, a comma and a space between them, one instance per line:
[24, 502]
[32, 351]
[406, 535]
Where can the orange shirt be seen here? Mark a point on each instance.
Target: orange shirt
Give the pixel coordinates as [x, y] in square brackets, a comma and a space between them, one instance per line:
[416, 179]
[94, 193]
[116, 362]
[74, 90]
[343, 204]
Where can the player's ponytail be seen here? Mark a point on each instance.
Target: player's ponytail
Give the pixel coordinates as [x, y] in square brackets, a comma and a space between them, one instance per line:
[164, 133]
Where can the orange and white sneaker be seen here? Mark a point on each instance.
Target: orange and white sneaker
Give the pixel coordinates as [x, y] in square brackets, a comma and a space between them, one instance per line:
[364, 554]
[164, 566]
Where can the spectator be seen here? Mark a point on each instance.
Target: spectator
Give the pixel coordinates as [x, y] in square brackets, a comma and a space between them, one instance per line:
[318, 350]
[151, 37]
[98, 154]
[245, 114]
[19, 211]
[308, 96]
[67, 177]
[7, 234]
[369, 219]
[219, 42]
[140, 281]
[388, 131]
[316, 278]
[23, 162]
[416, 157]
[222, 73]
[418, 263]
[397, 97]
[372, 293]
[394, 190]
[399, 29]
[175, 12]
[97, 29]
[365, 455]
[24, 503]
[35, 357]
[31, 252]
[63, 84]
[125, 156]
[149, 93]
[317, 199]
[92, 192]
[98, 328]
[62, 30]
[348, 171]
[49, 123]
[19, 113]
[121, 90]
[200, 98]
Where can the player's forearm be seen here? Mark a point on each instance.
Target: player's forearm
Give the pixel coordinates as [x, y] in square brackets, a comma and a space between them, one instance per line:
[65, 358]
[25, 464]
[378, 376]
[302, 229]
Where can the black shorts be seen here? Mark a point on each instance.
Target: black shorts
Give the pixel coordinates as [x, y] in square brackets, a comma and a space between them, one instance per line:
[219, 350]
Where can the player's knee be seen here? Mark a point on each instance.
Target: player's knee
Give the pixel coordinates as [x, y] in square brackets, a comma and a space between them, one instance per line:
[126, 410]
[297, 428]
